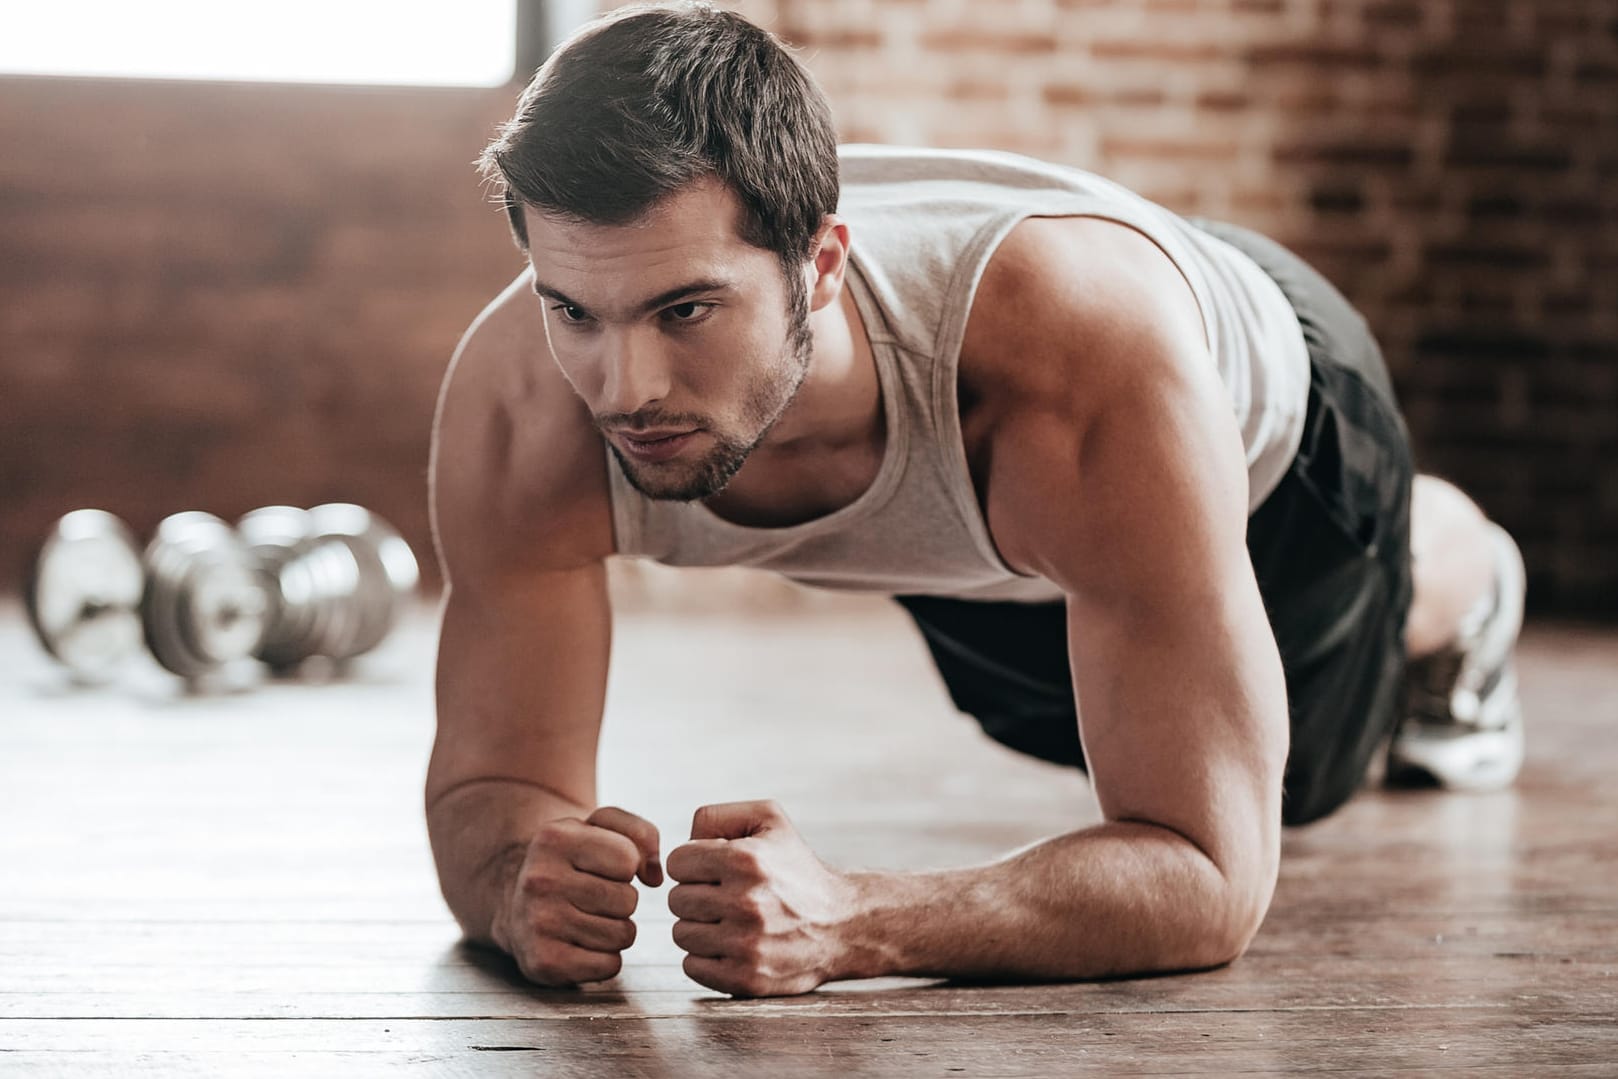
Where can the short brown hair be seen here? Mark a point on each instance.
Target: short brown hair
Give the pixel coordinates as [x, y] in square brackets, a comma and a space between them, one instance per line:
[650, 98]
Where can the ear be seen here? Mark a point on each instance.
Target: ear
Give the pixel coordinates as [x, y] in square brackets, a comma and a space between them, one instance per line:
[829, 264]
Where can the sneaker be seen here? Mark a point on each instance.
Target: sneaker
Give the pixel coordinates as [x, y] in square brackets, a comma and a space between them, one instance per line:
[1462, 726]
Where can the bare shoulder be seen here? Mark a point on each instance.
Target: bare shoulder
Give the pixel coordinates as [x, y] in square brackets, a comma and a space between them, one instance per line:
[1083, 296]
[1084, 345]
[517, 478]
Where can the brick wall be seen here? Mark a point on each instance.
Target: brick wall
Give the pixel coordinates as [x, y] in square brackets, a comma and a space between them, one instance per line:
[222, 296]
[1451, 164]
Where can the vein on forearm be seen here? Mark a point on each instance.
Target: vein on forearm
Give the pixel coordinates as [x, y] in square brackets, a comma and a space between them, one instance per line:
[1123, 897]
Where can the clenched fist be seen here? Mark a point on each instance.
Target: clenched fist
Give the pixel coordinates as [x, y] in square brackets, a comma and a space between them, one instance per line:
[566, 917]
[760, 914]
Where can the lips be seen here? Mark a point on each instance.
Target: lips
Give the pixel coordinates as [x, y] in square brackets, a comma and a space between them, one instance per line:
[655, 436]
[658, 449]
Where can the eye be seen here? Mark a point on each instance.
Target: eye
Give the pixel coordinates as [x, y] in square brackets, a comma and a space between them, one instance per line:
[570, 313]
[691, 311]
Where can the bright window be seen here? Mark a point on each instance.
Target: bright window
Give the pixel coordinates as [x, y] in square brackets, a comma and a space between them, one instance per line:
[411, 42]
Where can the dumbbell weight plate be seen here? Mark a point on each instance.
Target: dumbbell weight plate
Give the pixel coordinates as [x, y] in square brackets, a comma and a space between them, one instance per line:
[205, 604]
[83, 594]
[311, 579]
[388, 572]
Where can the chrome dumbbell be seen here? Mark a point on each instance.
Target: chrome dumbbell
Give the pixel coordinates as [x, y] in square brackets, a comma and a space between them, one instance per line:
[83, 594]
[204, 605]
[287, 585]
[337, 576]
[193, 595]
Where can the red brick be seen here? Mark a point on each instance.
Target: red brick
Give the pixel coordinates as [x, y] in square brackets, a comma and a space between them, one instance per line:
[1561, 20]
[1314, 55]
[1480, 112]
[1158, 51]
[959, 39]
[1342, 249]
[1137, 97]
[1365, 150]
[1168, 149]
[1337, 198]
[1308, 96]
[836, 38]
[1224, 100]
[1393, 13]
[1479, 64]
[1574, 210]
[1495, 206]
[1499, 256]
[1067, 94]
[1566, 304]
[1267, 202]
[1488, 149]
[966, 89]
[1596, 74]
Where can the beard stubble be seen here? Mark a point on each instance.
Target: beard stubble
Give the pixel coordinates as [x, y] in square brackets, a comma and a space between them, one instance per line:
[768, 398]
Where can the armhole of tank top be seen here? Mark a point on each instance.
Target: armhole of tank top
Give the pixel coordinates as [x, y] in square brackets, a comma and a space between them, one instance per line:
[958, 297]
[952, 330]
[1154, 236]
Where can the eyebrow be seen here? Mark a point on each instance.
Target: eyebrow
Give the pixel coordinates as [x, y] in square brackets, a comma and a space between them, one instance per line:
[662, 299]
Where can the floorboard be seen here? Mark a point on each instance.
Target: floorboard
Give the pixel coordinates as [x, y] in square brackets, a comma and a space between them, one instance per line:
[239, 881]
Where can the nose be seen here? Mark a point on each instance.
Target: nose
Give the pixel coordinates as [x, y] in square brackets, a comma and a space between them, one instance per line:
[636, 373]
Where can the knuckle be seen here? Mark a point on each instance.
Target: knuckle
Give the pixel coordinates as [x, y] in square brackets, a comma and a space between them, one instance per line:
[748, 949]
[555, 832]
[623, 863]
[745, 861]
[545, 918]
[628, 899]
[749, 911]
[619, 856]
[537, 881]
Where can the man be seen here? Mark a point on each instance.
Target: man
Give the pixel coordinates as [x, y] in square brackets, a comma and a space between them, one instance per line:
[1140, 481]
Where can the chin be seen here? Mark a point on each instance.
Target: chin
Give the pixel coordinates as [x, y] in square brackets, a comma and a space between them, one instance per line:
[680, 481]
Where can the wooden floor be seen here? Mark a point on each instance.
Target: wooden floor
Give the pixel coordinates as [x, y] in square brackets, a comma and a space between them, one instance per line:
[241, 884]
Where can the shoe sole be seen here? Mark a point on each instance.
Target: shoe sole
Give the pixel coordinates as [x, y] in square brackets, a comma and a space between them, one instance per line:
[1462, 759]
[1489, 755]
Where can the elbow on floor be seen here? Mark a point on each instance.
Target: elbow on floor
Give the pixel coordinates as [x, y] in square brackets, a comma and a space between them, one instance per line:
[1229, 938]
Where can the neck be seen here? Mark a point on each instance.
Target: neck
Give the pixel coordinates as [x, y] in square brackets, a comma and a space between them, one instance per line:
[840, 398]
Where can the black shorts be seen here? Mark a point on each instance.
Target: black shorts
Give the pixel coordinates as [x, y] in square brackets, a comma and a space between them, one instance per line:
[1330, 547]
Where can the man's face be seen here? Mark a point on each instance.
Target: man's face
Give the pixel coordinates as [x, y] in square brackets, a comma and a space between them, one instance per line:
[672, 323]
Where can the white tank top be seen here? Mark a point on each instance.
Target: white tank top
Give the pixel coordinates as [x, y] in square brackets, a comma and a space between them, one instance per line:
[923, 225]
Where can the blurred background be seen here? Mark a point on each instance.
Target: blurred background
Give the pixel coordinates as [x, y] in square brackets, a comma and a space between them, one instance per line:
[239, 243]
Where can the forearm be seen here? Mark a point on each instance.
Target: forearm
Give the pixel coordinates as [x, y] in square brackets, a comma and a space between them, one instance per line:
[479, 834]
[1118, 898]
